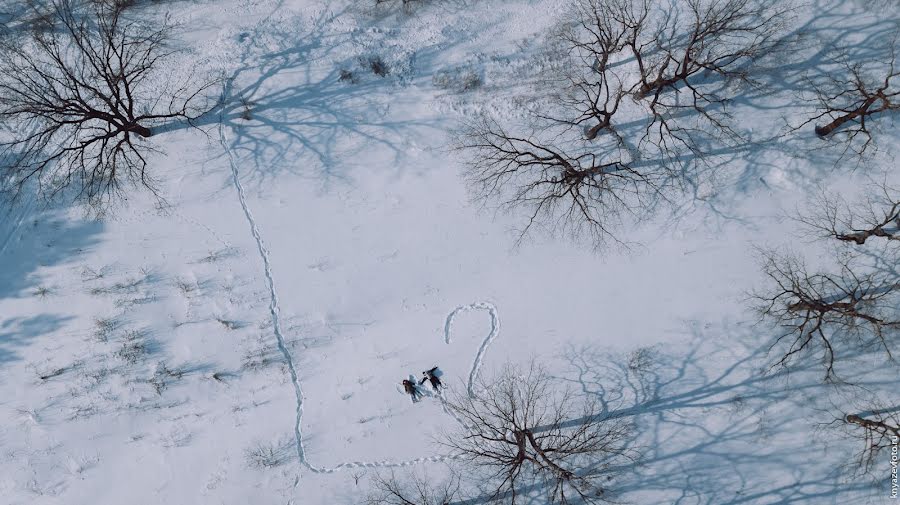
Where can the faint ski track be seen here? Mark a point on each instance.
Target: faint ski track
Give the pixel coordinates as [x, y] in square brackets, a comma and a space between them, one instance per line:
[14, 229]
[194, 222]
[279, 337]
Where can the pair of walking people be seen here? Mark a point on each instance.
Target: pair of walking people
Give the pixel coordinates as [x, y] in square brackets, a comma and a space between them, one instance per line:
[412, 388]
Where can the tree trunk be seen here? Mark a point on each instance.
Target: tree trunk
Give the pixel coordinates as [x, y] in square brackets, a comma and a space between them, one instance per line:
[591, 133]
[874, 425]
[658, 83]
[143, 131]
[823, 131]
[560, 471]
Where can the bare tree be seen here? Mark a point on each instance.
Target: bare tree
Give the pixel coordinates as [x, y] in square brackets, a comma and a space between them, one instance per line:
[80, 100]
[692, 70]
[530, 435]
[852, 92]
[587, 193]
[856, 301]
[827, 311]
[594, 36]
[722, 38]
[648, 85]
[684, 57]
[877, 215]
[864, 300]
[879, 430]
[416, 490]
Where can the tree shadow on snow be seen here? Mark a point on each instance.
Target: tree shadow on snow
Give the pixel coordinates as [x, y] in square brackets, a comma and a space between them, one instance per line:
[717, 425]
[313, 99]
[35, 236]
[779, 150]
[316, 106]
[716, 174]
[19, 331]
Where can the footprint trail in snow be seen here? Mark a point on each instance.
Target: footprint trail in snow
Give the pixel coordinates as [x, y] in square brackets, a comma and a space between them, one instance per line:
[280, 340]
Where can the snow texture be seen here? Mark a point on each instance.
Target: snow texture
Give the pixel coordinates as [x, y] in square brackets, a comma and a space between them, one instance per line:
[243, 341]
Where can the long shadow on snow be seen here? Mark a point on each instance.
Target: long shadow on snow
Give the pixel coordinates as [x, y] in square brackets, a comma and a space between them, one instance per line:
[35, 235]
[746, 163]
[715, 425]
[289, 111]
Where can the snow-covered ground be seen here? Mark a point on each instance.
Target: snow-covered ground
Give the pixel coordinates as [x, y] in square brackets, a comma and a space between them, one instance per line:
[244, 343]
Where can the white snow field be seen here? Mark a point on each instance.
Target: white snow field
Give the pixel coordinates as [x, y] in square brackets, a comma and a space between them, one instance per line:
[244, 342]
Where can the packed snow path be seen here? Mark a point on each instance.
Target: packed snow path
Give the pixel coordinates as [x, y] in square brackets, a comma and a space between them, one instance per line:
[270, 283]
[495, 330]
[279, 337]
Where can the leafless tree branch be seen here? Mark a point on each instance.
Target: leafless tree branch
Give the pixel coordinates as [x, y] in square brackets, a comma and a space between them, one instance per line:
[878, 215]
[80, 100]
[851, 93]
[678, 60]
[415, 490]
[523, 430]
[825, 311]
[586, 193]
[649, 85]
[879, 431]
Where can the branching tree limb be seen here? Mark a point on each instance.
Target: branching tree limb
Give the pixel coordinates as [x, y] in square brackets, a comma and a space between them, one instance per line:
[826, 311]
[417, 490]
[80, 100]
[721, 38]
[852, 93]
[879, 431]
[692, 63]
[842, 310]
[523, 430]
[594, 37]
[578, 194]
[648, 84]
[676, 59]
[859, 300]
[878, 215]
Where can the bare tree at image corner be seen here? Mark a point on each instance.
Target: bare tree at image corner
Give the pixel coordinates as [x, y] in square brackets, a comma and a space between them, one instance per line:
[853, 93]
[649, 86]
[413, 489]
[878, 431]
[80, 101]
[875, 217]
[525, 434]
